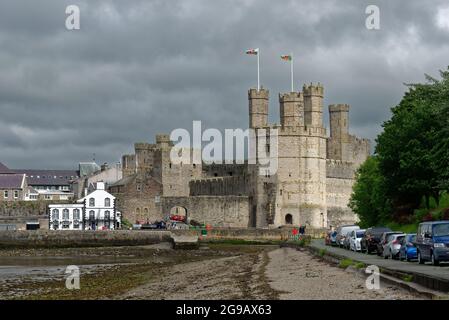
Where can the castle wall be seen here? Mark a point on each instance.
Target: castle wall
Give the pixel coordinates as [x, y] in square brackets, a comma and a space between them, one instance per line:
[339, 182]
[218, 211]
[235, 185]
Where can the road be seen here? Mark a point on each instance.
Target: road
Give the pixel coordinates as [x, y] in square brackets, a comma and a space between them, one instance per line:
[395, 265]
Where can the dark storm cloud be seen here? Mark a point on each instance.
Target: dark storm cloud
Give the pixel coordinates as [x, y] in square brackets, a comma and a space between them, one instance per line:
[139, 67]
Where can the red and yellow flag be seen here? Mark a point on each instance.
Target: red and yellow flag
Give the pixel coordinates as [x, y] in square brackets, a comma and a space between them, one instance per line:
[252, 51]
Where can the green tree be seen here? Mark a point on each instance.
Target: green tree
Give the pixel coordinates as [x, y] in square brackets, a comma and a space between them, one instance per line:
[406, 148]
[368, 198]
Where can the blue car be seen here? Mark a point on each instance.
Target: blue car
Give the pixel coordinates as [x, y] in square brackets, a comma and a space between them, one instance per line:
[408, 250]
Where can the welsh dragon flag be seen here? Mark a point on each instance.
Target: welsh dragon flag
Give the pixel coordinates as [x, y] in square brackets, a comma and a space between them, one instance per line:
[286, 57]
[253, 51]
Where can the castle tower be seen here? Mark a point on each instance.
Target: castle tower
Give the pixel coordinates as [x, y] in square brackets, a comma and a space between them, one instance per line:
[339, 120]
[313, 105]
[291, 109]
[258, 108]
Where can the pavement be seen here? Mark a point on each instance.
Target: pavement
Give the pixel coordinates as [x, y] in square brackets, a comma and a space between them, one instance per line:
[441, 272]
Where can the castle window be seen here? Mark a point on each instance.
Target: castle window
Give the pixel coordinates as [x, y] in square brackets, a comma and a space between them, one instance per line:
[288, 219]
[169, 165]
[139, 187]
[194, 166]
[267, 148]
[280, 192]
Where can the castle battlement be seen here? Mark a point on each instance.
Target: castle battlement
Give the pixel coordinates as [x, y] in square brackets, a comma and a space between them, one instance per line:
[143, 146]
[290, 97]
[258, 94]
[313, 90]
[339, 108]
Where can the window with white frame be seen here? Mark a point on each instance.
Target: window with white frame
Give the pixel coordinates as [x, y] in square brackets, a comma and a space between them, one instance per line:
[91, 215]
[107, 202]
[16, 194]
[6, 194]
[76, 214]
[65, 214]
[92, 202]
[55, 215]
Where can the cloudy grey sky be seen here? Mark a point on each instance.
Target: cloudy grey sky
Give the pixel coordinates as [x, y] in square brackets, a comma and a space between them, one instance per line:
[139, 67]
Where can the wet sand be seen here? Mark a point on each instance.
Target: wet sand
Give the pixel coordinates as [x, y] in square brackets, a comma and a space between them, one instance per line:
[158, 272]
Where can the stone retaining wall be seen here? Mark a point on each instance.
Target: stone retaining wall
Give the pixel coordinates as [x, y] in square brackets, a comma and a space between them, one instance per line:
[67, 239]
[60, 239]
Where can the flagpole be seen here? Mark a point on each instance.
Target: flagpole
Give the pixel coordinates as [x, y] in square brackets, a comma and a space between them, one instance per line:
[291, 70]
[258, 70]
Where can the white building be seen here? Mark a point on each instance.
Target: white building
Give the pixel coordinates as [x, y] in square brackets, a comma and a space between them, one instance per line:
[96, 211]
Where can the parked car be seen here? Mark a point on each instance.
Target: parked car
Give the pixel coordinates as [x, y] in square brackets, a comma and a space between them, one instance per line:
[371, 239]
[408, 249]
[432, 242]
[346, 240]
[342, 231]
[392, 246]
[333, 238]
[355, 239]
[384, 240]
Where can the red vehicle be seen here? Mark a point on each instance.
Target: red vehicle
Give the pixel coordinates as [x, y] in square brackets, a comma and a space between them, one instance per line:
[177, 218]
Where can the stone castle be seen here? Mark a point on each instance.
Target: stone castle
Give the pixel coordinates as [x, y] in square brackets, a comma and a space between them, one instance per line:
[312, 185]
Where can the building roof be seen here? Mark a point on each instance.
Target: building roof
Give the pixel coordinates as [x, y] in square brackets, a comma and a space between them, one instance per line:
[11, 181]
[48, 177]
[88, 168]
[5, 169]
[124, 181]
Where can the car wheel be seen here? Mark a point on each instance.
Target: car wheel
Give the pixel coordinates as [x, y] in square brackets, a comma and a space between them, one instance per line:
[435, 262]
[420, 260]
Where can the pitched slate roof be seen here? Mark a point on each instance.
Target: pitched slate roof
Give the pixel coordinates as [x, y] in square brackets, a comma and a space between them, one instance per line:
[11, 181]
[48, 177]
[5, 169]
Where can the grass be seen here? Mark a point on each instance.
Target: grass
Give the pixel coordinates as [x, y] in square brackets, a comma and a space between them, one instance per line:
[345, 263]
[407, 278]
[322, 252]
[360, 265]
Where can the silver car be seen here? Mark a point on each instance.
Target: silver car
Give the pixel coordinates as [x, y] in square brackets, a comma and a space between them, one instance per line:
[392, 246]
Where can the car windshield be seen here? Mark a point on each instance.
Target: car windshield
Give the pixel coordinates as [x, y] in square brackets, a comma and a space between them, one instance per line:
[441, 229]
[411, 238]
[360, 234]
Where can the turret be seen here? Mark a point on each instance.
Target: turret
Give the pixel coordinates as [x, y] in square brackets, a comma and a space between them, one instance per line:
[339, 120]
[258, 108]
[313, 105]
[163, 140]
[291, 109]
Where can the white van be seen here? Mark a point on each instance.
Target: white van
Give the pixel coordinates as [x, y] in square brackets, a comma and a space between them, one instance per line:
[342, 231]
